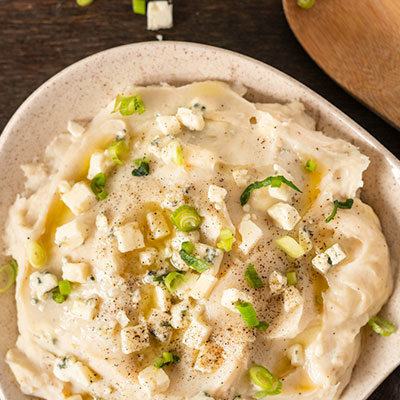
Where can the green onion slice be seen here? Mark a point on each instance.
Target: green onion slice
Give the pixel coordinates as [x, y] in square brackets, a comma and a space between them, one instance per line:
[64, 287]
[98, 184]
[142, 167]
[116, 150]
[290, 246]
[345, 205]
[8, 275]
[263, 326]
[305, 3]
[248, 313]
[188, 247]
[253, 278]
[310, 166]
[139, 7]
[381, 326]
[36, 254]
[166, 359]
[173, 279]
[128, 105]
[84, 3]
[273, 181]
[194, 262]
[291, 277]
[176, 153]
[186, 218]
[227, 240]
[266, 380]
[58, 297]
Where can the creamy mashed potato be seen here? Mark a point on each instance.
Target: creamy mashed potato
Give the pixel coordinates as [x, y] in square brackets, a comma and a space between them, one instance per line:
[114, 246]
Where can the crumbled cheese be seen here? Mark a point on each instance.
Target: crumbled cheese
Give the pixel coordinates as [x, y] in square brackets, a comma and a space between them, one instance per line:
[85, 308]
[168, 124]
[68, 369]
[232, 296]
[209, 357]
[75, 129]
[63, 368]
[163, 298]
[250, 233]
[63, 186]
[241, 177]
[336, 254]
[216, 194]
[41, 283]
[159, 15]
[197, 334]
[83, 375]
[134, 338]
[79, 199]
[321, 263]
[295, 354]
[211, 255]
[159, 324]
[115, 127]
[153, 380]
[148, 256]
[76, 271]
[100, 162]
[129, 237]
[292, 298]
[193, 120]
[180, 237]
[180, 315]
[284, 215]
[72, 234]
[157, 224]
[277, 282]
[203, 287]
[122, 318]
[282, 193]
[305, 239]
[101, 223]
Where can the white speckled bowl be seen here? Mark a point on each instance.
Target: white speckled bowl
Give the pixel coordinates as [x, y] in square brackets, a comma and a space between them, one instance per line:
[79, 91]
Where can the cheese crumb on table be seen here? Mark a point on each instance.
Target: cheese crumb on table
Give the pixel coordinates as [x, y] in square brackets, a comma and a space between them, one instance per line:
[159, 15]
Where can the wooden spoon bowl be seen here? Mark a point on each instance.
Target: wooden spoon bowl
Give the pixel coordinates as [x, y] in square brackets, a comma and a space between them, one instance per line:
[357, 43]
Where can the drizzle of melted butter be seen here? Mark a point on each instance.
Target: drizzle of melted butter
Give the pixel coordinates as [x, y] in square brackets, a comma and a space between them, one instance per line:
[306, 385]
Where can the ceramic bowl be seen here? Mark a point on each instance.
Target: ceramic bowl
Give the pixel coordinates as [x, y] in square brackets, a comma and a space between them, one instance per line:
[78, 93]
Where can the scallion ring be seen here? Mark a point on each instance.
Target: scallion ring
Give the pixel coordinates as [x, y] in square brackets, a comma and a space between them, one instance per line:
[173, 279]
[84, 3]
[305, 3]
[196, 263]
[139, 7]
[310, 166]
[8, 275]
[142, 167]
[64, 287]
[58, 297]
[128, 105]
[266, 380]
[253, 278]
[291, 277]
[227, 240]
[98, 184]
[166, 359]
[36, 254]
[381, 326]
[116, 150]
[186, 218]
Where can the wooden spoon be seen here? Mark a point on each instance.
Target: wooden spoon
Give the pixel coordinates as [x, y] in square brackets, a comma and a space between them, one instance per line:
[357, 43]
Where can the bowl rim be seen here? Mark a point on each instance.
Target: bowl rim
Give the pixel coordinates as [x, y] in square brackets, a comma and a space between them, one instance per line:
[341, 118]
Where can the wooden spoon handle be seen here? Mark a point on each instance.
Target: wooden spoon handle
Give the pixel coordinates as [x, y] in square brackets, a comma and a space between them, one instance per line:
[357, 43]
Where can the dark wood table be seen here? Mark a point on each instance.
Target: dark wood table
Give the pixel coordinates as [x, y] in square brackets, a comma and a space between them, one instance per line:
[40, 37]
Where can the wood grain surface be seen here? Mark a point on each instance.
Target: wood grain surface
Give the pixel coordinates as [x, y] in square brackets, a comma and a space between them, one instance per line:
[40, 37]
[357, 44]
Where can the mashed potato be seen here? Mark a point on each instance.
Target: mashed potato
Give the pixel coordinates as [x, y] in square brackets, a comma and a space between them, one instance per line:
[171, 245]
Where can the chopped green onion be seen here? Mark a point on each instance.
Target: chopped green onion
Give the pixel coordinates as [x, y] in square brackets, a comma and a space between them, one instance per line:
[8, 275]
[142, 167]
[58, 297]
[116, 150]
[64, 287]
[188, 247]
[194, 262]
[253, 278]
[227, 240]
[381, 326]
[346, 205]
[166, 359]
[36, 254]
[139, 7]
[173, 279]
[186, 218]
[310, 166]
[266, 380]
[291, 278]
[290, 246]
[128, 105]
[249, 316]
[305, 3]
[84, 3]
[274, 181]
[98, 184]
[176, 153]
